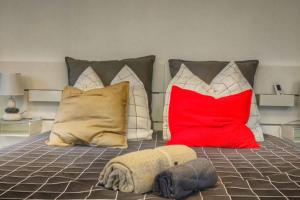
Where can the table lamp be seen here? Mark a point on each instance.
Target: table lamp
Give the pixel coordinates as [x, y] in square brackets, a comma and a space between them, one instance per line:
[11, 85]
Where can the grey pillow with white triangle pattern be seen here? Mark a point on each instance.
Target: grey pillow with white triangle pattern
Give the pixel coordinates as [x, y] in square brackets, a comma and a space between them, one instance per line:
[228, 82]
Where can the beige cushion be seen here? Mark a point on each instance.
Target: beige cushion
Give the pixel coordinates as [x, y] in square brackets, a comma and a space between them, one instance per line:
[95, 117]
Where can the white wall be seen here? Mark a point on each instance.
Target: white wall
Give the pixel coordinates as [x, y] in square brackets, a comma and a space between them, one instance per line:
[35, 35]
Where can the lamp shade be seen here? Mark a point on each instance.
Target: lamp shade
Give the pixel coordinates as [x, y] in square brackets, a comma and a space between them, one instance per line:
[11, 84]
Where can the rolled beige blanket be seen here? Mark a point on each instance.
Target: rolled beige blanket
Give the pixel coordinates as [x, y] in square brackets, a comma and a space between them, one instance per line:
[135, 172]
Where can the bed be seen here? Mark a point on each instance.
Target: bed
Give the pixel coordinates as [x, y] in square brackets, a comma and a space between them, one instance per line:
[33, 170]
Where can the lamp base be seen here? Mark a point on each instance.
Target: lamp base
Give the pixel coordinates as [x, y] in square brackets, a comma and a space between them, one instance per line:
[11, 112]
[11, 116]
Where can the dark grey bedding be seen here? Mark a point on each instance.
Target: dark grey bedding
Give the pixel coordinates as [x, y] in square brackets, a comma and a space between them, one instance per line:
[33, 170]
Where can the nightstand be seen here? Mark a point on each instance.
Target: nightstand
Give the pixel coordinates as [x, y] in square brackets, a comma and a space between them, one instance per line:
[12, 132]
[269, 104]
[291, 131]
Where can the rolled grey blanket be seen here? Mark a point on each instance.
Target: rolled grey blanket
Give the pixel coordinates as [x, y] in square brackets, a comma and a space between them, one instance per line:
[135, 172]
[182, 180]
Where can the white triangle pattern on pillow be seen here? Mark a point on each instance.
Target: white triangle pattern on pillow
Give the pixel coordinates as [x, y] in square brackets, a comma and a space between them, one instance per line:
[139, 123]
[88, 80]
[231, 81]
[228, 82]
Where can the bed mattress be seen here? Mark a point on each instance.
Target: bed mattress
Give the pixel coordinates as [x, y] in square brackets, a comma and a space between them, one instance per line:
[33, 170]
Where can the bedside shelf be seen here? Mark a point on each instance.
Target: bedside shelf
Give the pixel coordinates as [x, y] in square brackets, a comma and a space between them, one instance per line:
[284, 100]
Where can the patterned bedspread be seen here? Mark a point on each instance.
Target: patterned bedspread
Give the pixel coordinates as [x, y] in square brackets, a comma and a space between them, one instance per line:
[32, 170]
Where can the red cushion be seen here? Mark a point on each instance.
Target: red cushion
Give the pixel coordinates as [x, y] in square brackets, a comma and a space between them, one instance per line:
[204, 121]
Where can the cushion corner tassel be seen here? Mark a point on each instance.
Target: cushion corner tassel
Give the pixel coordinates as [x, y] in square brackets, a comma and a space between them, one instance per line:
[183, 180]
[136, 171]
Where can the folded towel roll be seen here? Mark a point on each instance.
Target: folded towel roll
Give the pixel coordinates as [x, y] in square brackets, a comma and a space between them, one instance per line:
[135, 172]
[182, 180]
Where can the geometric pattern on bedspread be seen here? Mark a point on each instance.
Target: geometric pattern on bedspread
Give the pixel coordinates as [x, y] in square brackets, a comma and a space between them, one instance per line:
[33, 170]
